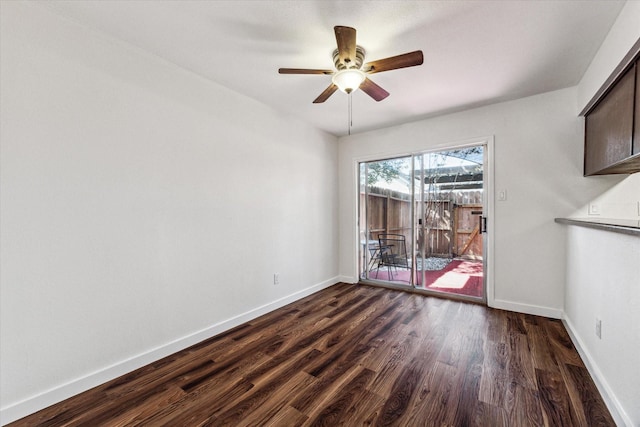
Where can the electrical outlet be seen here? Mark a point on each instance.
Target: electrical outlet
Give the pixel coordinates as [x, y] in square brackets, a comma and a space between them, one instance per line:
[594, 209]
[276, 278]
[598, 328]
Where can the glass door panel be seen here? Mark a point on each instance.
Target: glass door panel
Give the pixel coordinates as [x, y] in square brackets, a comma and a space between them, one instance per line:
[450, 222]
[386, 220]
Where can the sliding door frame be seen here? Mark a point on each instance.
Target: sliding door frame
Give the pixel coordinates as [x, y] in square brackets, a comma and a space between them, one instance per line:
[488, 202]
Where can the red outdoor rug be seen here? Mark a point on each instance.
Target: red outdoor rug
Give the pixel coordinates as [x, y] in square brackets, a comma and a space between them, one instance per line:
[458, 277]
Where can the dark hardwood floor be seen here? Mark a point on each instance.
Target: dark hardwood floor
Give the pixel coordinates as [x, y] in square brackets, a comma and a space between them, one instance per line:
[357, 355]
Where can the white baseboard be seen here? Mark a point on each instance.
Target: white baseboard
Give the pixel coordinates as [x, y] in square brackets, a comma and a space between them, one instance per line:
[49, 397]
[553, 313]
[348, 279]
[617, 411]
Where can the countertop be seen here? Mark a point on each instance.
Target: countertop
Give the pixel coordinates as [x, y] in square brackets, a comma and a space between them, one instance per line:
[624, 226]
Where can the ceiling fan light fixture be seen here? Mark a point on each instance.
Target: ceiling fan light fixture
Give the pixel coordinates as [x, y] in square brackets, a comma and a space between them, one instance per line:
[348, 80]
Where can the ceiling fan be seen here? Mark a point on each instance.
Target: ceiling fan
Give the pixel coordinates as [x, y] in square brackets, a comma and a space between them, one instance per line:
[350, 73]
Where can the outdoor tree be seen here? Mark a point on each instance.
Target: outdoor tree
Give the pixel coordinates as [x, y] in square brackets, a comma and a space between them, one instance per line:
[386, 170]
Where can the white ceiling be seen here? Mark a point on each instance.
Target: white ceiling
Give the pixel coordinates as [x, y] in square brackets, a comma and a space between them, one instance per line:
[475, 52]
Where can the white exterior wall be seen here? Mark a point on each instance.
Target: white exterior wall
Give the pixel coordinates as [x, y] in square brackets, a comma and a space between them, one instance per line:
[143, 208]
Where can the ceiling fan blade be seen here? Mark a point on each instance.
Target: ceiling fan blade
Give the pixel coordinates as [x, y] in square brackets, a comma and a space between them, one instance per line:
[373, 90]
[303, 71]
[326, 94]
[346, 40]
[405, 60]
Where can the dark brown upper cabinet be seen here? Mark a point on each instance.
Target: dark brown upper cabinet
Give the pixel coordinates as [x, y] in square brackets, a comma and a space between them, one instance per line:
[636, 131]
[612, 121]
[609, 134]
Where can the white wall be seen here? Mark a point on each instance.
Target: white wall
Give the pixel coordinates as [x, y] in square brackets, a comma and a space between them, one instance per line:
[143, 208]
[603, 281]
[622, 36]
[538, 160]
[603, 268]
[621, 198]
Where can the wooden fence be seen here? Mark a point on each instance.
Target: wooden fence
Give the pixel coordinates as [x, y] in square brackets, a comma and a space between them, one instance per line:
[451, 227]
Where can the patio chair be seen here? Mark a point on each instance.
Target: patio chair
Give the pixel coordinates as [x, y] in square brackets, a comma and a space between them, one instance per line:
[392, 252]
[374, 254]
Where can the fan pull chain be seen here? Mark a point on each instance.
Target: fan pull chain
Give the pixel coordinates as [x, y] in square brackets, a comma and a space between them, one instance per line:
[350, 113]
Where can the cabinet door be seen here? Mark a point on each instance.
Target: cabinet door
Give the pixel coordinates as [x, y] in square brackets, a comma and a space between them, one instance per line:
[609, 127]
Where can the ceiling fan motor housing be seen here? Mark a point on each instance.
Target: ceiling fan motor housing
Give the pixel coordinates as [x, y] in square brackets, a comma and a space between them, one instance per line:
[360, 52]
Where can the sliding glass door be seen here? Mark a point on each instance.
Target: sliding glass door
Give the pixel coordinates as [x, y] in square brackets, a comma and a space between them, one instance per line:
[422, 221]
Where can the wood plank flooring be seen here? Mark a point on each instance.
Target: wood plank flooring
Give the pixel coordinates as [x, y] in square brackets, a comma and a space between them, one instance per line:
[357, 355]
